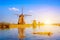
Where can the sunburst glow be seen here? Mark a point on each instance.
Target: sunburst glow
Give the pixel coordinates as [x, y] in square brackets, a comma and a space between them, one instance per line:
[47, 22]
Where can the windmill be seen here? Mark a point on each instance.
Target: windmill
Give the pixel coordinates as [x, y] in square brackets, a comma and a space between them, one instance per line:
[21, 22]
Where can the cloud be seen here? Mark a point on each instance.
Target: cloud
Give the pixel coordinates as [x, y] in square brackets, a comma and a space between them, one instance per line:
[13, 9]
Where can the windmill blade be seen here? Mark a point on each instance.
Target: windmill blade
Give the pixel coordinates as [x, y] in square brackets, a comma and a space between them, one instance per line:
[16, 14]
[27, 15]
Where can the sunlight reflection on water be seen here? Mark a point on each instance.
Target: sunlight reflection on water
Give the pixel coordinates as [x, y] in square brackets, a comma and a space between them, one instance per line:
[12, 34]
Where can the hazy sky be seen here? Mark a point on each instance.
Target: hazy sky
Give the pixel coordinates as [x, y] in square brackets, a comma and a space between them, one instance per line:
[41, 10]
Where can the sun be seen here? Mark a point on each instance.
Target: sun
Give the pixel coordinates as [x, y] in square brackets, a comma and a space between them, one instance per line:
[47, 22]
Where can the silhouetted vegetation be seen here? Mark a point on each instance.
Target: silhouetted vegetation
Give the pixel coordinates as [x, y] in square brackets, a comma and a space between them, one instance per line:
[4, 25]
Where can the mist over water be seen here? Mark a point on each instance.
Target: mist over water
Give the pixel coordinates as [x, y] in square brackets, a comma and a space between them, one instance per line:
[12, 34]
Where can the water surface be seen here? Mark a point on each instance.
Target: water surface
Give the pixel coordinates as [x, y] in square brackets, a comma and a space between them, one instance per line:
[12, 34]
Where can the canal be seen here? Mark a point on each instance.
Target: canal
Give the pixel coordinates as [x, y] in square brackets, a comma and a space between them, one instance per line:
[12, 34]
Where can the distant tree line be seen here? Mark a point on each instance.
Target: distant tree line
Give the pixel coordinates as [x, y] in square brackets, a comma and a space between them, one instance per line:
[4, 25]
